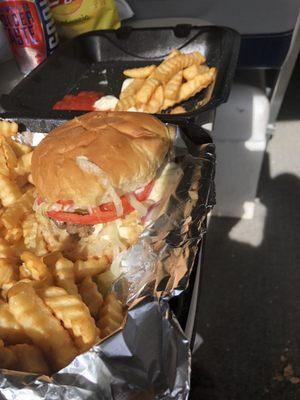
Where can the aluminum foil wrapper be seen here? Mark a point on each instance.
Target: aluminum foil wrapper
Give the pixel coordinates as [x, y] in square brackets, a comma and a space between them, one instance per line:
[149, 358]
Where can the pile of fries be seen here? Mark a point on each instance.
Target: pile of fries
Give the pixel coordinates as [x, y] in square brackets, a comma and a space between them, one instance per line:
[51, 308]
[158, 88]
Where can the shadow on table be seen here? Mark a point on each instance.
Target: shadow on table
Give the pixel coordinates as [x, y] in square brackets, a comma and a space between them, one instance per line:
[249, 306]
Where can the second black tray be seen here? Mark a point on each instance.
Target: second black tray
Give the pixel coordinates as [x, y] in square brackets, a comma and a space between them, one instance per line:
[95, 61]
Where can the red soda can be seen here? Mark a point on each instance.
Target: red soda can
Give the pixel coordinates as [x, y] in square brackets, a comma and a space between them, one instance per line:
[31, 31]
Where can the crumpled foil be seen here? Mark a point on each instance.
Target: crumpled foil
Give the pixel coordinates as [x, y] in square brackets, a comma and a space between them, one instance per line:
[149, 358]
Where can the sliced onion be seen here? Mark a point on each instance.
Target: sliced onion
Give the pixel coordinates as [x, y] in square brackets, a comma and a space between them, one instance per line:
[140, 208]
[56, 207]
[116, 200]
[89, 167]
[69, 208]
[150, 210]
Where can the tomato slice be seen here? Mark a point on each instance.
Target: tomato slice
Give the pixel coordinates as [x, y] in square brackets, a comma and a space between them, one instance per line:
[143, 193]
[103, 213]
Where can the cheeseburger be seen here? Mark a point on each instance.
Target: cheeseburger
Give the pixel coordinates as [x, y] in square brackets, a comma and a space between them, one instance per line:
[100, 168]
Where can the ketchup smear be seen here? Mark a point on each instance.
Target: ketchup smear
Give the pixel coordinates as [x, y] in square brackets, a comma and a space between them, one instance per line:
[83, 101]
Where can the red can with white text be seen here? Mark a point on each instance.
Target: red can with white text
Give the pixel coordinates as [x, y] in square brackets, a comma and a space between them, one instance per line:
[30, 29]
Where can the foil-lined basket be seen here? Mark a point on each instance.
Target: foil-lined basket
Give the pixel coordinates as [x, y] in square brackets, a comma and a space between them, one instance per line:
[149, 357]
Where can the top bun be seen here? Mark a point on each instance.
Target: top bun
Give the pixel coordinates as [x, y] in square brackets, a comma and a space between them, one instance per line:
[128, 147]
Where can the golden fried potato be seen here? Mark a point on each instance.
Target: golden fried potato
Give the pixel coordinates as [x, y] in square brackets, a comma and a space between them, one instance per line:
[111, 315]
[3, 166]
[13, 215]
[190, 88]
[9, 191]
[8, 153]
[171, 66]
[12, 235]
[23, 166]
[50, 259]
[8, 159]
[8, 358]
[156, 101]
[141, 73]
[41, 326]
[33, 238]
[91, 267]
[8, 271]
[173, 53]
[178, 110]
[147, 90]
[8, 286]
[104, 282]
[30, 359]
[194, 70]
[18, 248]
[19, 148]
[168, 103]
[125, 103]
[10, 330]
[8, 128]
[89, 293]
[172, 87]
[34, 268]
[55, 239]
[30, 231]
[74, 315]
[7, 251]
[64, 273]
[132, 88]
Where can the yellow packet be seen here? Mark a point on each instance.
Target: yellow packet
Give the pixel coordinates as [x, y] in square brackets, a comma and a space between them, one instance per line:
[74, 17]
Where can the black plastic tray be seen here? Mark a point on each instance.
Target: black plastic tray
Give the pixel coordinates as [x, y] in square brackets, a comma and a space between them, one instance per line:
[78, 65]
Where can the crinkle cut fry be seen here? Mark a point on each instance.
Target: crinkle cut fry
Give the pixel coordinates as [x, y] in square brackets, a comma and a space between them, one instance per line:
[190, 88]
[23, 166]
[7, 251]
[171, 66]
[10, 330]
[14, 214]
[111, 315]
[156, 101]
[64, 273]
[8, 271]
[30, 359]
[41, 326]
[89, 293]
[34, 268]
[23, 357]
[125, 103]
[194, 70]
[9, 191]
[141, 72]
[8, 128]
[74, 315]
[132, 88]
[8, 157]
[172, 87]
[146, 91]
[90, 267]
